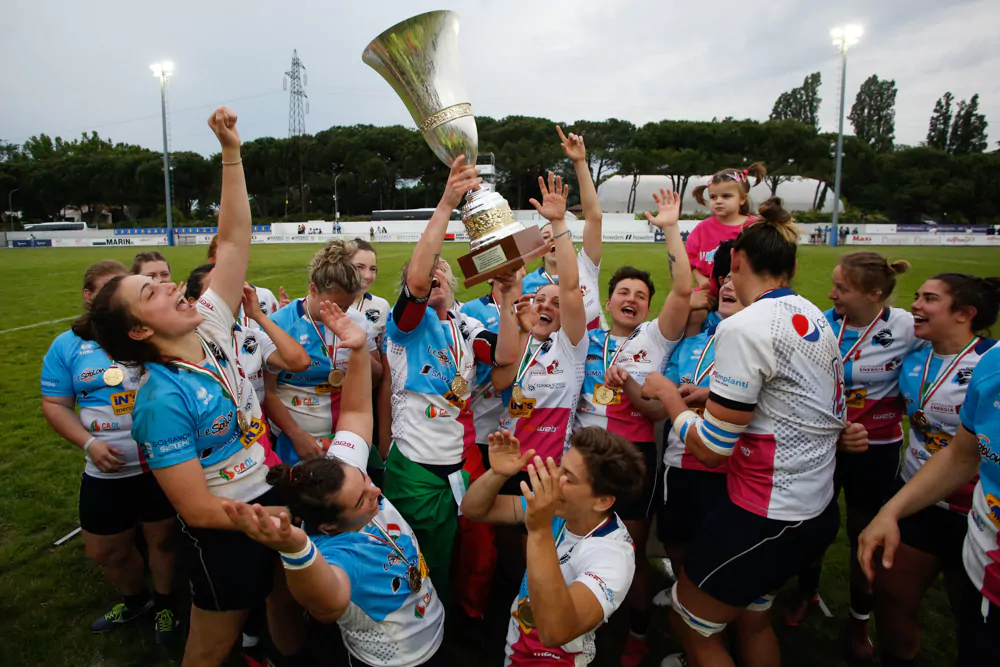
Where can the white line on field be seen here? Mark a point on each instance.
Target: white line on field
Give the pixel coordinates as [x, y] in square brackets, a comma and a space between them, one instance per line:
[39, 324]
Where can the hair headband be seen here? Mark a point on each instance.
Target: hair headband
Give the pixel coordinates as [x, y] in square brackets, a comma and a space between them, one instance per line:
[738, 176]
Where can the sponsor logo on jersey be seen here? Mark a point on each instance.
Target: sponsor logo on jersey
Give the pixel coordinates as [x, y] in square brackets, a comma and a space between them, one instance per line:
[434, 412]
[304, 339]
[229, 474]
[584, 290]
[894, 364]
[985, 451]
[89, 374]
[393, 559]
[687, 379]
[421, 607]
[86, 347]
[608, 593]
[963, 376]
[553, 368]
[593, 357]
[978, 520]
[206, 303]
[440, 355]
[123, 402]
[250, 344]
[639, 357]
[219, 425]
[433, 372]
[732, 382]
[306, 401]
[883, 338]
[994, 504]
[805, 327]
[104, 426]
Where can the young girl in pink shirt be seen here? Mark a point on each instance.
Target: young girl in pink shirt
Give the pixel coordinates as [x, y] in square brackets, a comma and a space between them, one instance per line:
[729, 202]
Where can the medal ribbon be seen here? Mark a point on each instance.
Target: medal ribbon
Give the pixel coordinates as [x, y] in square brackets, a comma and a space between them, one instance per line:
[523, 368]
[925, 396]
[329, 351]
[390, 542]
[764, 294]
[562, 533]
[216, 372]
[361, 301]
[698, 374]
[548, 276]
[861, 338]
[607, 342]
[456, 352]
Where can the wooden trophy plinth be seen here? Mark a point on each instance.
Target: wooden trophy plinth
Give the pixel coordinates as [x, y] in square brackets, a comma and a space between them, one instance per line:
[507, 254]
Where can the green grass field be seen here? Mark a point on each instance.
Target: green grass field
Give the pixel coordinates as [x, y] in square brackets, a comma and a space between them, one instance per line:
[48, 596]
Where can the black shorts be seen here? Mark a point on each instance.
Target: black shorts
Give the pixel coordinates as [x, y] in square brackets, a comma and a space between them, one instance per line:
[650, 498]
[229, 571]
[936, 531]
[868, 478]
[109, 506]
[738, 556]
[690, 496]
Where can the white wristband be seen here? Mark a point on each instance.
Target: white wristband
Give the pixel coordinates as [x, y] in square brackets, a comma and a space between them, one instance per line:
[683, 424]
[90, 441]
[300, 560]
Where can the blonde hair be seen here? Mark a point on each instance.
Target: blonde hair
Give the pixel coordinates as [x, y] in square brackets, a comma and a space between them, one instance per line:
[870, 271]
[333, 266]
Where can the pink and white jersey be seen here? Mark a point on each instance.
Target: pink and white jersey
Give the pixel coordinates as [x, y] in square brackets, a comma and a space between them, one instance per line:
[643, 352]
[551, 386]
[590, 275]
[779, 358]
[935, 385]
[873, 356]
[604, 562]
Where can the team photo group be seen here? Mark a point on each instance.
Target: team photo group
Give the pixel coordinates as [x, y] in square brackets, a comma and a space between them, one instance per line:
[379, 462]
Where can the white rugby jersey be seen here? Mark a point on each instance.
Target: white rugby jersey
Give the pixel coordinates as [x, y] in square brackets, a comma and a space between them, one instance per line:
[590, 275]
[981, 416]
[944, 385]
[871, 371]
[779, 355]
[431, 424]
[255, 347]
[74, 368]
[604, 562]
[268, 305]
[376, 312]
[642, 352]
[551, 387]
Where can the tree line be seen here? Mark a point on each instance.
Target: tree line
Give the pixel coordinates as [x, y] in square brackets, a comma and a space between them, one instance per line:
[949, 178]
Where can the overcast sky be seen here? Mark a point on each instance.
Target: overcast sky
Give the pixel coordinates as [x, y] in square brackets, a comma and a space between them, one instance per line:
[68, 66]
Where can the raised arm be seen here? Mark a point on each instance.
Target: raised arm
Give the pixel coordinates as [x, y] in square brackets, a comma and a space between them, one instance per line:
[462, 179]
[233, 255]
[674, 315]
[482, 501]
[324, 590]
[575, 150]
[356, 395]
[553, 209]
[288, 355]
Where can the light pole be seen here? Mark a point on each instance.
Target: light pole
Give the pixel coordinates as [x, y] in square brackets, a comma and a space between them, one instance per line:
[336, 201]
[10, 207]
[843, 38]
[162, 71]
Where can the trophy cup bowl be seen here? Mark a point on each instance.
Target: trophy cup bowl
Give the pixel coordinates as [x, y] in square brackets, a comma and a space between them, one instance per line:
[418, 57]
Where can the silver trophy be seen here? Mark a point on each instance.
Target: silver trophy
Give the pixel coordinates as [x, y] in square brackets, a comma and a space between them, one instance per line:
[419, 59]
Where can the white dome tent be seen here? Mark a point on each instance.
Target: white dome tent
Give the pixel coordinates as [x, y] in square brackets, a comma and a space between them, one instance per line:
[797, 193]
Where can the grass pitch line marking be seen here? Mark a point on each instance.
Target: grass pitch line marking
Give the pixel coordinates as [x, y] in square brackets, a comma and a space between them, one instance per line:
[39, 324]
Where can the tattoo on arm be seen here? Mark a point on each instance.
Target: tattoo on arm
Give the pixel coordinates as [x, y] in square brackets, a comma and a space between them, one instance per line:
[670, 263]
[434, 265]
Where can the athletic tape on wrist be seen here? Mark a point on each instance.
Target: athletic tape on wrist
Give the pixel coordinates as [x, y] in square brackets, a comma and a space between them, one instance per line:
[301, 559]
[684, 422]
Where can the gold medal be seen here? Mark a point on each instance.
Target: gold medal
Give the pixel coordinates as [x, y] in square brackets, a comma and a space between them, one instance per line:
[459, 385]
[517, 393]
[920, 422]
[413, 578]
[604, 395]
[114, 376]
[241, 422]
[525, 614]
[336, 378]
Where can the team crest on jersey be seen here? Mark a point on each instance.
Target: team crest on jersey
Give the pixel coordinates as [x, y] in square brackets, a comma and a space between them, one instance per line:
[547, 345]
[883, 338]
[805, 327]
[250, 344]
[372, 315]
[553, 368]
[963, 376]
[217, 351]
[463, 328]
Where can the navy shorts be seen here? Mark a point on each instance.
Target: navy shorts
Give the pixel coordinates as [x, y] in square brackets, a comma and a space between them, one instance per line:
[646, 503]
[690, 496]
[868, 478]
[112, 505]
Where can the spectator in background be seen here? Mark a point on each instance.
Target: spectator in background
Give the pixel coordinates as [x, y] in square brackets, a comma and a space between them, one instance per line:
[153, 265]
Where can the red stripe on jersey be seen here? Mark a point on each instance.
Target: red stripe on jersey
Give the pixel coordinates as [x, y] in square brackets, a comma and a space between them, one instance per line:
[625, 420]
[482, 349]
[882, 418]
[408, 314]
[751, 472]
[530, 652]
[594, 323]
[544, 431]
[991, 575]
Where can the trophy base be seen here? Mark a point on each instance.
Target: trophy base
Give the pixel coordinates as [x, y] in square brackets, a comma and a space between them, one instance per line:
[507, 254]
